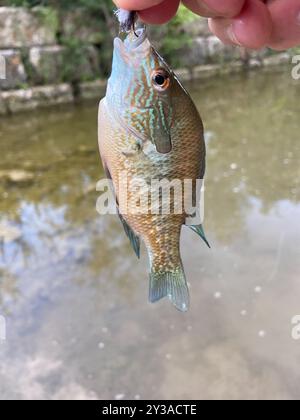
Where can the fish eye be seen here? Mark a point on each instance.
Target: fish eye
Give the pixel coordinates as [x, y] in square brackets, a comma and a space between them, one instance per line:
[161, 79]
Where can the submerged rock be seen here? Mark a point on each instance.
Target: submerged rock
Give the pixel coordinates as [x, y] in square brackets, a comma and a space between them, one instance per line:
[16, 176]
[9, 233]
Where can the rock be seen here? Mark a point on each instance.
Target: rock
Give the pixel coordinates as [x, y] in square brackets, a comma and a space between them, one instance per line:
[17, 176]
[215, 47]
[277, 59]
[46, 64]
[199, 51]
[82, 65]
[218, 52]
[3, 109]
[50, 65]
[194, 54]
[207, 71]
[255, 63]
[198, 72]
[89, 68]
[15, 75]
[197, 28]
[9, 233]
[204, 50]
[20, 27]
[2, 67]
[89, 189]
[81, 25]
[38, 97]
[184, 75]
[93, 90]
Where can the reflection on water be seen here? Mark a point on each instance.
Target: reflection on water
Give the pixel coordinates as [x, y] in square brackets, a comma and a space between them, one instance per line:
[75, 300]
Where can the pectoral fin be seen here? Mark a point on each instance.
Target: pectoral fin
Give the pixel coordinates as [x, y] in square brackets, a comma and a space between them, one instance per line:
[163, 142]
[152, 123]
[161, 132]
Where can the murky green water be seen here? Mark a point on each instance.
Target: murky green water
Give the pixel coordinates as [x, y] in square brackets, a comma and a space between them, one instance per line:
[75, 298]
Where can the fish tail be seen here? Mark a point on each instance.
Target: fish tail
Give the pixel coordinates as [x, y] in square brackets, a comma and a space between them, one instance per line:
[170, 284]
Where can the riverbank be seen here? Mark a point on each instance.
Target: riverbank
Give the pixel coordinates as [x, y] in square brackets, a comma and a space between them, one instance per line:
[37, 97]
[54, 55]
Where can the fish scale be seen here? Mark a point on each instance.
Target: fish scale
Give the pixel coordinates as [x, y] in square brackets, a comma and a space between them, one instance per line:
[162, 116]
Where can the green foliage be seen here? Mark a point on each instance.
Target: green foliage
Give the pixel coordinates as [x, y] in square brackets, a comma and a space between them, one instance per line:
[294, 51]
[25, 3]
[175, 35]
[76, 61]
[48, 17]
[170, 38]
[92, 5]
[99, 11]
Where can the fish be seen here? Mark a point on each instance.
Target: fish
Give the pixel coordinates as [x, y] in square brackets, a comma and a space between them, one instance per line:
[150, 128]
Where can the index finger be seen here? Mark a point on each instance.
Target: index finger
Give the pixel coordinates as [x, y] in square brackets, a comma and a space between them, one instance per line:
[286, 23]
[137, 5]
[161, 13]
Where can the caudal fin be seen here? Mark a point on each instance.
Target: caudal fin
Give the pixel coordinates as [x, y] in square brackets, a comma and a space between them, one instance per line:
[172, 285]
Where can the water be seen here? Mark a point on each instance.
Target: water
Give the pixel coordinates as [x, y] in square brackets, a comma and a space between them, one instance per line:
[74, 298]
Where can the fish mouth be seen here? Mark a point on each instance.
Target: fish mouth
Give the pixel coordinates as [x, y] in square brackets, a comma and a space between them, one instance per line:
[136, 39]
[133, 42]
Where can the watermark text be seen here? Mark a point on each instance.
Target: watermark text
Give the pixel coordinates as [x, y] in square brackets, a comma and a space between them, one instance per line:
[2, 328]
[296, 327]
[140, 196]
[2, 67]
[296, 68]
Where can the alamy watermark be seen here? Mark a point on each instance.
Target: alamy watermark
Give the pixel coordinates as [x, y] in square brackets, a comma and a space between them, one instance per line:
[296, 68]
[2, 328]
[2, 67]
[296, 327]
[141, 196]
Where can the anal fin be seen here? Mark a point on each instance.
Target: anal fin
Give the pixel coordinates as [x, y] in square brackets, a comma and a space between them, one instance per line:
[133, 238]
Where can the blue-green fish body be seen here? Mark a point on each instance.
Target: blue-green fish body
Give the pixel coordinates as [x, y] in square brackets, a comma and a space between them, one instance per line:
[149, 128]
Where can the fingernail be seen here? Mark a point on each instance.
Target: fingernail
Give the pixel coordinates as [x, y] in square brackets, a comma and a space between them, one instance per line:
[232, 36]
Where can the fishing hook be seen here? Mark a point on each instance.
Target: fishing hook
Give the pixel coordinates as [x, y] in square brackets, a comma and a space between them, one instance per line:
[127, 20]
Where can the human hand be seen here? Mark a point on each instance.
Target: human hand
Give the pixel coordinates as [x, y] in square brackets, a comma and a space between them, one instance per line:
[249, 23]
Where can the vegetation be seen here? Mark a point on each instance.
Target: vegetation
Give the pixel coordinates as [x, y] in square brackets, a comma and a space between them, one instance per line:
[170, 38]
[175, 35]
[61, 4]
